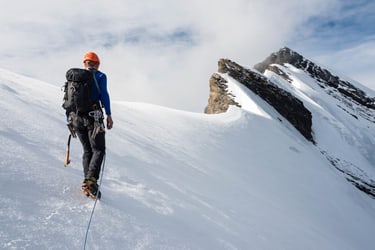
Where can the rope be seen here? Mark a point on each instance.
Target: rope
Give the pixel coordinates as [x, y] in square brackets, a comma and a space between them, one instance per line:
[93, 208]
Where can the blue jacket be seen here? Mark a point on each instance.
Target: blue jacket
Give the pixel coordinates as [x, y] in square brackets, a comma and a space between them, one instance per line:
[101, 95]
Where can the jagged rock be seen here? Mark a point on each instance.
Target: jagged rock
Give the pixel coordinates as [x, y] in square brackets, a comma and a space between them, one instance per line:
[220, 99]
[286, 104]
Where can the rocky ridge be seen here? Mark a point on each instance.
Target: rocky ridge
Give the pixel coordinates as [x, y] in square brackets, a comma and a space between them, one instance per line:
[286, 104]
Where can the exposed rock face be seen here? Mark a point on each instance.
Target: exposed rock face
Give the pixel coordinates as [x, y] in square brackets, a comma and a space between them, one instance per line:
[286, 104]
[323, 76]
[219, 99]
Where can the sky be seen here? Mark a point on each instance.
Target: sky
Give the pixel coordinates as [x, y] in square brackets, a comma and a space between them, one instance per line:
[165, 51]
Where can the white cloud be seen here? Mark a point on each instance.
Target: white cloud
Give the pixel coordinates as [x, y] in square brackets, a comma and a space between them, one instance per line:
[160, 52]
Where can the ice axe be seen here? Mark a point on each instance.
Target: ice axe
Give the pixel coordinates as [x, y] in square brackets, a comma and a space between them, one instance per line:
[72, 133]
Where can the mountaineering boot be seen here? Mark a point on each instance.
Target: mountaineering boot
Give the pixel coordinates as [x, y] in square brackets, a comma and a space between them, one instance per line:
[85, 188]
[93, 188]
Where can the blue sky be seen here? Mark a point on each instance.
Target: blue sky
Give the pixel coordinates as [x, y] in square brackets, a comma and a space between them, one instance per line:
[352, 23]
[343, 40]
[164, 51]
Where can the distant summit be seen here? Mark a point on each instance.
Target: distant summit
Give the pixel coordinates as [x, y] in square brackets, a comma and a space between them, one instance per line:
[284, 55]
[323, 77]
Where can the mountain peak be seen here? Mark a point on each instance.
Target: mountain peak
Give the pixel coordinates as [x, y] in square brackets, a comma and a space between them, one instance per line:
[323, 77]
[284, 55]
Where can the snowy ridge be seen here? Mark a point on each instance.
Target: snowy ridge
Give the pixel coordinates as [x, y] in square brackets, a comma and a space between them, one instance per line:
[174, 180]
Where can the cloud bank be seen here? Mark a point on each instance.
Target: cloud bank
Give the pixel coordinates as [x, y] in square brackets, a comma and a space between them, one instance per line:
[164, 51]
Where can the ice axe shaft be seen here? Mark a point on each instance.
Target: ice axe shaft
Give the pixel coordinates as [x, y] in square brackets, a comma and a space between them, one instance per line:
[67, 160]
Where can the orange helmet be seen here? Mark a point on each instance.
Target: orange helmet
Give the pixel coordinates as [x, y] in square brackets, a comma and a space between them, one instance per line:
[91, 56]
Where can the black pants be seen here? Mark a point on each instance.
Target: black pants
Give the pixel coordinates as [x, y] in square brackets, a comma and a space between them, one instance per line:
[93, 148]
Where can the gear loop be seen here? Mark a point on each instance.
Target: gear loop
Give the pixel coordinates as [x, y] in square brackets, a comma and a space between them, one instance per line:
[98, 122]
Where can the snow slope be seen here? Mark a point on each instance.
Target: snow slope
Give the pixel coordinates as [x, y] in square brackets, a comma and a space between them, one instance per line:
[343, 129]
[172, 180]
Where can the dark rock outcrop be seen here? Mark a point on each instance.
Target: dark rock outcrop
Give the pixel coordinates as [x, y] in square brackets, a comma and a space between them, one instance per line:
[286, 104]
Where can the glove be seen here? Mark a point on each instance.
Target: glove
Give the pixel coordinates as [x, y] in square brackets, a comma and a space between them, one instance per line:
[109, 122]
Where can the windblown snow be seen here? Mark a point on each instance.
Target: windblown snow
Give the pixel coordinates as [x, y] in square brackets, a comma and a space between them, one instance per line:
[179, 180]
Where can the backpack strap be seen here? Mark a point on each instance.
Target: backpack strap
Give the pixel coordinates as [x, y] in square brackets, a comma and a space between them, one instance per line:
[93, 71]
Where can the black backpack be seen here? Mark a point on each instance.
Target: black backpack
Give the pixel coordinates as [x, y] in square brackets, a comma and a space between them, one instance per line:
[78, 91]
